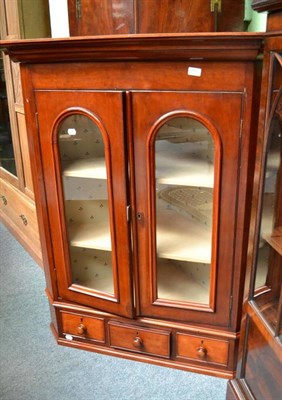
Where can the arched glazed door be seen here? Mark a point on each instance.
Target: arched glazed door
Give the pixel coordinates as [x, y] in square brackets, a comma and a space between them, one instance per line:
[186, 216]
[82, 142]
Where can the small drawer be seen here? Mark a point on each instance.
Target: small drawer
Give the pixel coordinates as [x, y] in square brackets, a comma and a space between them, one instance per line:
[83, 327]
[202, 349]
[140, 340]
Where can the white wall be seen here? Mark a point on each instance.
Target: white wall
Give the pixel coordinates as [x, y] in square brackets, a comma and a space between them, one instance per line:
[59, 18]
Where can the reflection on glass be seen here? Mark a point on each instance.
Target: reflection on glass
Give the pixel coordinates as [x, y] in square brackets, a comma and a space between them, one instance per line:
[7, 158]
[184, 161]
[269, 262]
[272, 169]
[86, 202]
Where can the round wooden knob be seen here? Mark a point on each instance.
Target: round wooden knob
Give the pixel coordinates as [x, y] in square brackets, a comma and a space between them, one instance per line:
[137, 342]
[81, 329]
[202, 352]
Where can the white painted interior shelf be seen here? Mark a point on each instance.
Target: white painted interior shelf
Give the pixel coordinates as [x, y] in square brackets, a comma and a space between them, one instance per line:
[90, 235]
[180, 238]
[85, 168]
[182, 169]
[177, 237]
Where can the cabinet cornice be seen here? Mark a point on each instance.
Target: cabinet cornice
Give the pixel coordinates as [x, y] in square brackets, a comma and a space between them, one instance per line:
[212, 46]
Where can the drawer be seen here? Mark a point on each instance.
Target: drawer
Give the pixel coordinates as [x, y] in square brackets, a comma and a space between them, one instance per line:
[83, 326]
[202, 349]
[141, 340]
[20, 210]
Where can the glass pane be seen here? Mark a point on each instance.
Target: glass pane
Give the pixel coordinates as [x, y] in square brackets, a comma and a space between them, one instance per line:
[269, 263]
[84, 179]
[7, 158]
[273, 162]
[184, 157]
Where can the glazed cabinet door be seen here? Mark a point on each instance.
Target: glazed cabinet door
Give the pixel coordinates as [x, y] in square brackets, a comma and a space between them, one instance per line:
[187, 152]
[267, 293]
[85, 173]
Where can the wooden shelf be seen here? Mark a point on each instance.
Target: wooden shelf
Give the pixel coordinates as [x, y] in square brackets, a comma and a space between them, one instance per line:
[177, 283]
[182, 238]
[269, 310]
[90, 235]
[275, 239]
[85, 168]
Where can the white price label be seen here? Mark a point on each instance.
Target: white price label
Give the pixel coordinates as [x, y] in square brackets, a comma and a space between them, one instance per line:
[194, 71]
[71, 131]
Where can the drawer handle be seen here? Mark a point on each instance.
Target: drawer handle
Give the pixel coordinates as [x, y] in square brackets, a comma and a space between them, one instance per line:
[202, 352]
[5, 202]
[81, 329]
[23, 218]
[137, 342]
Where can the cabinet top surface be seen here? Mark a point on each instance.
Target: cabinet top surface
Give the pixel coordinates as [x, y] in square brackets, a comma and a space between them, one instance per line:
[214, 46]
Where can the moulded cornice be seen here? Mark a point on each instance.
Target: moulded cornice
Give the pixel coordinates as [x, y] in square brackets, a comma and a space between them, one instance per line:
[267, 5]
[211, 46]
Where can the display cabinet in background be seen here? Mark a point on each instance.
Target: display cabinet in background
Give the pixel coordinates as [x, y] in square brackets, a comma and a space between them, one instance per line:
[17, 207]
[260, 358]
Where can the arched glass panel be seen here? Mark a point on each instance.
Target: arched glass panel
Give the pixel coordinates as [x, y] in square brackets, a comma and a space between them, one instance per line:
[184, 162]
[84, 178]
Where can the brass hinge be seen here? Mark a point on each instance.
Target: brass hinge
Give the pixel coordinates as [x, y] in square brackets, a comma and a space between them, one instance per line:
[78, 9]
[215, 5]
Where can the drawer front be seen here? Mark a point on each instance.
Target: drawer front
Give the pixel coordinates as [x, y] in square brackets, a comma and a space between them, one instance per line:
[202, 349]
[20, 210]
[140, 340]
[83, 326]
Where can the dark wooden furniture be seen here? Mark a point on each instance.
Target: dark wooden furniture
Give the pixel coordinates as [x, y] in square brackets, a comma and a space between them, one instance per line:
[143, 157]
[260, 358]
[111, 17]
[17, 205]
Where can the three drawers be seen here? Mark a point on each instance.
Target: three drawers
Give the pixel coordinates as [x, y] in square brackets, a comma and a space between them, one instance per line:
[145, 340]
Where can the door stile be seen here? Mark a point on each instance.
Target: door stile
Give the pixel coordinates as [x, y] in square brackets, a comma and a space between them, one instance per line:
[132, 200]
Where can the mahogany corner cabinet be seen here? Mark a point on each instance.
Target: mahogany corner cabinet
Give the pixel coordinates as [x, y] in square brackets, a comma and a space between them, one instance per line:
[143, 151]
